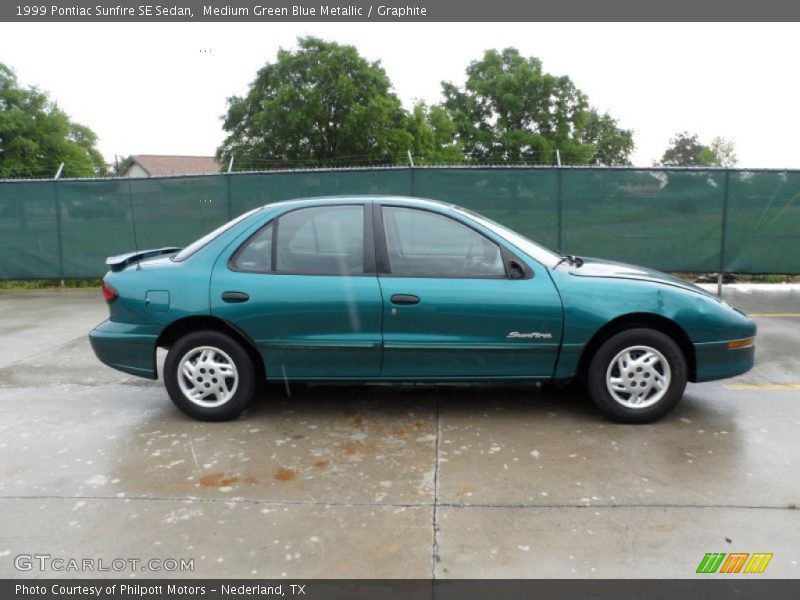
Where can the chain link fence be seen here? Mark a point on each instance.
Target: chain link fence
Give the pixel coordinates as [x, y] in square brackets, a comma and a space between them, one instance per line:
[689, 220]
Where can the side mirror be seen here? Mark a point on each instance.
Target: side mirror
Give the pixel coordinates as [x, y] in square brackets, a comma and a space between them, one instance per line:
[515, 270]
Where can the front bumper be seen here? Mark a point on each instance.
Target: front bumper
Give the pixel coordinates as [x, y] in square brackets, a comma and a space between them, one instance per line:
[715, 360]
[126, 347]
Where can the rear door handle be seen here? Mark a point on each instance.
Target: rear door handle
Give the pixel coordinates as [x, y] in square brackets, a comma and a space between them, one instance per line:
[405, 299]
[235, 297]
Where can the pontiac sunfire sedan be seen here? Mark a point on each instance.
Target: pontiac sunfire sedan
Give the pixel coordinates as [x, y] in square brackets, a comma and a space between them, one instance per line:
[384, 289]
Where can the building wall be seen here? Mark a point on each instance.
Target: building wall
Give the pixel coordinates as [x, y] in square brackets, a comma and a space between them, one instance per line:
[136, 171]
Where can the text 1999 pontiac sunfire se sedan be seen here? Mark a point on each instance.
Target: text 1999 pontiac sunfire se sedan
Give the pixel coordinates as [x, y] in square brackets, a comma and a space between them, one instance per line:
[379, 289]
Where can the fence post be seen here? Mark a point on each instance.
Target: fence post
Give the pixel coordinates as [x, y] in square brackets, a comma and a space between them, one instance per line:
[228, 188]
[723, 233]
[133, 220]
[59, 235]
[559, 209]
[230, 198]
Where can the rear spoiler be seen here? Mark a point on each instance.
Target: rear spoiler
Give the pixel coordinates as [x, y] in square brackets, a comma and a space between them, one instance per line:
[119, 262]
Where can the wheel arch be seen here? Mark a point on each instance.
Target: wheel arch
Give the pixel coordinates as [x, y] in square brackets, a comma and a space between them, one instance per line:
[648, 320]
[177, 329]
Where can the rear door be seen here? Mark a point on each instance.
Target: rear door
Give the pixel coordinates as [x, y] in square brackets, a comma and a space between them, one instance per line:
[304, 289]
[456, 304]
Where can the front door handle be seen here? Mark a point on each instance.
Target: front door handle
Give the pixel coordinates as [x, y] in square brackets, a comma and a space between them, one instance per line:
[405, 299]
[235, 297]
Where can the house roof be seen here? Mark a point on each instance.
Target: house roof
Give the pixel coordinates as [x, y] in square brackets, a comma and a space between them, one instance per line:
[157, 165]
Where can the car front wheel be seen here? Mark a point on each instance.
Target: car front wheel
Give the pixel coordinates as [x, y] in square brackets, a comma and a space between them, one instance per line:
[209, 376]
[637, 376]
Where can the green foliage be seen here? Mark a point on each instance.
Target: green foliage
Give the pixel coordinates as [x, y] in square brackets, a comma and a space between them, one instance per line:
[325, 104]
[36, 136]
[322, 103]
[724, 151]
[121, 164]
[434, 136]
[510, 110]
[40, 284]
[685, 150]
[612, 145]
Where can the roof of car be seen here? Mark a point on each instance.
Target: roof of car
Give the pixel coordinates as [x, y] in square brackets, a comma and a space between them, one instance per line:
[365, 199]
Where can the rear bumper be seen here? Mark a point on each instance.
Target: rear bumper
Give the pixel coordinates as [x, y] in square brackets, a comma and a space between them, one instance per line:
[126, 347]
[715, 360]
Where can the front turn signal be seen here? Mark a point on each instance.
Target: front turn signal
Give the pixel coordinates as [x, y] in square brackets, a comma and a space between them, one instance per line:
[741, 343]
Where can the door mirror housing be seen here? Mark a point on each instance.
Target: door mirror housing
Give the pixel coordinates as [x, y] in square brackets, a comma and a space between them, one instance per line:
[515, 268]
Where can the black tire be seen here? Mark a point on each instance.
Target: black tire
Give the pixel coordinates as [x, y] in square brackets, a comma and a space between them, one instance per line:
[600, 367]
[245, 379]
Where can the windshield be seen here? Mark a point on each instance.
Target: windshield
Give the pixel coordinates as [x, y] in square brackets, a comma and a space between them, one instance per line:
[532, 249]
[195, 246]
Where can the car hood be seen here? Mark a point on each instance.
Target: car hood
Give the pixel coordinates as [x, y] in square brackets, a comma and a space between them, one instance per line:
[596, 267]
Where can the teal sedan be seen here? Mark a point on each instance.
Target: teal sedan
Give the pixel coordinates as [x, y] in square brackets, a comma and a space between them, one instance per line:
[386, 289]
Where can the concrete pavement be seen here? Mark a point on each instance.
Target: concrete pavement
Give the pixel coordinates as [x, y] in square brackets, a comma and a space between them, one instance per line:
[389, 481]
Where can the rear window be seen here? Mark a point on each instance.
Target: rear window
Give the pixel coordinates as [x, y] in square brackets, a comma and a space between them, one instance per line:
[206, 239]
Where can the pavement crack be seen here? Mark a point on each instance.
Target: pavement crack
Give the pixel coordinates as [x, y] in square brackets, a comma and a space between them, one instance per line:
[435, 505]
[435, 516]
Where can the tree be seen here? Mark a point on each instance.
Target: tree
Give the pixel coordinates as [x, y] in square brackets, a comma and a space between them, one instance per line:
[121, 164]
[510, 110]
[612, 145]
[36, 136]
[724, 151]
[322, 103]
[433, 134]
[685, 150]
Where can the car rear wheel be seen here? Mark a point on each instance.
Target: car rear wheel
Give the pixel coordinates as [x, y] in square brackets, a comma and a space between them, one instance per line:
[637, 376]
[209, 376]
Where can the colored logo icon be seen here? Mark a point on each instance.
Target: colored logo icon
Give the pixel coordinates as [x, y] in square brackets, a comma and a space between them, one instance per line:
[734, 562]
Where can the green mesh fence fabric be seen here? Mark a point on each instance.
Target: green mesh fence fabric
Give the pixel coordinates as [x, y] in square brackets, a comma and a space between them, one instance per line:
[670, 219]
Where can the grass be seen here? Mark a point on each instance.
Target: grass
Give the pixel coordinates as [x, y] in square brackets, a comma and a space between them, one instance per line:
[43, 284]
[768, 278]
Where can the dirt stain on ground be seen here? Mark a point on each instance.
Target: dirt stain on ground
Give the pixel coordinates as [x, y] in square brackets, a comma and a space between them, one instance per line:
[321, 463]
[285, 474]
[358, 448]
[376, 426]
[252, 480]
[357, 420]
[464, 490]
[218, 480]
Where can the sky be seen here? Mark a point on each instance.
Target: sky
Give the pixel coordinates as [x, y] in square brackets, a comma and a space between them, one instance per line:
[162, 88]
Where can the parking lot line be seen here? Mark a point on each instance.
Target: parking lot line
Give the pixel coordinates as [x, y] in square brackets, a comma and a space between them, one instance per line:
[779, 315]
[762, 386]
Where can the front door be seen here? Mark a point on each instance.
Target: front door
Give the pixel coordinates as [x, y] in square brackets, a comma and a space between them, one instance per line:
[450, 310]
[302, 290]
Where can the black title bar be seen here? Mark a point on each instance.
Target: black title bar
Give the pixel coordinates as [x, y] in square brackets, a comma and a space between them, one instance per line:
[398, 10]
[708, 588]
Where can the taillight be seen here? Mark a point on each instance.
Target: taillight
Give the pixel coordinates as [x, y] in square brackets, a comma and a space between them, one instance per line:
[109, 293]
